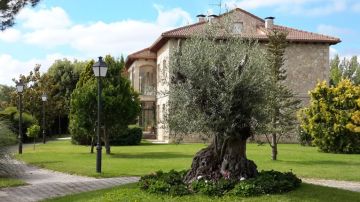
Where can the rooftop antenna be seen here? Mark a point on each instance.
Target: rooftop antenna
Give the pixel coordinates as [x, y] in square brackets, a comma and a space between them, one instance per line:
[219, 5]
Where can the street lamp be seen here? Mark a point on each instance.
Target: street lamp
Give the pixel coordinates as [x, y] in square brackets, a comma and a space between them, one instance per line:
[100, 70]
[20, 89]
[44, 98]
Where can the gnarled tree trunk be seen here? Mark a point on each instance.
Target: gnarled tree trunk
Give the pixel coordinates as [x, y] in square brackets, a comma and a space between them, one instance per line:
[228, 161]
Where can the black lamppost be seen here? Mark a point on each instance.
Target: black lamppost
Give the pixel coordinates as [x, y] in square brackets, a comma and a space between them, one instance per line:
[100, 70]
[44, 98]
[20, 89]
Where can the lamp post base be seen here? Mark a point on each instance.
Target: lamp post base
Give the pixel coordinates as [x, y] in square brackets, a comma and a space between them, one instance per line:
[98, 158]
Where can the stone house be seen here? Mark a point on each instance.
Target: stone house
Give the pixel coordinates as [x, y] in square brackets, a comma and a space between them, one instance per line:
[307, 61]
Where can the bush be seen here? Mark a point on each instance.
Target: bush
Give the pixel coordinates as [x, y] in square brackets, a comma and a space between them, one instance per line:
[33, 131]
[268, 182]
[305, 138]
[333, 117]
[212, 188]
[11, 116]
[165, 183]
[132, 136]
[7, 136]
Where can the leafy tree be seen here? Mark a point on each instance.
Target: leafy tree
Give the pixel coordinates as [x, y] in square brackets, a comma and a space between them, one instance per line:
[333, 117]
[283, 105]
[33, 132]
[218, 89]
[345, 69]
[120, 104]
[5, 95]
[335, 71]
[9, 9]
[36, 84]
[65, 75]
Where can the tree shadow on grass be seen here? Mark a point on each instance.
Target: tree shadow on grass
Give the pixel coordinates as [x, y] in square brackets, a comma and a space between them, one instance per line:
[316, 193]
[152, 155]
[319, 162]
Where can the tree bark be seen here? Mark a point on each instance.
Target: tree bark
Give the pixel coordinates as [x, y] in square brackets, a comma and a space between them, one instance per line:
[107, 142]
[274, 147]
[231, 164]
[59, 119]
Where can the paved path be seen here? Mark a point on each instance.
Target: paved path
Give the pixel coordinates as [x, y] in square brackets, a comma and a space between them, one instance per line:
[347, 185]
[45, 184]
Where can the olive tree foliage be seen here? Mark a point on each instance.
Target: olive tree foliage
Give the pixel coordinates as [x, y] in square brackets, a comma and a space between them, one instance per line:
[9, 9]
[218, 89]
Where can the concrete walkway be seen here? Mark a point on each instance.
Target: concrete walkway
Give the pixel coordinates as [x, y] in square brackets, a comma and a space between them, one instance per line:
[347, 185]
[43, 184]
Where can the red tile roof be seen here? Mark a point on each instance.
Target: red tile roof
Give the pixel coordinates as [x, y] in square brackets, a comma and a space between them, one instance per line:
[294, 35]
[142, 54]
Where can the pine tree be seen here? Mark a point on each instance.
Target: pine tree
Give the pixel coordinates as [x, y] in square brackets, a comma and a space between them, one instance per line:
[283, 104]
[9, 9]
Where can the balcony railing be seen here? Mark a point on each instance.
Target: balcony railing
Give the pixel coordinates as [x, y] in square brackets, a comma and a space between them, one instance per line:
[148, 90]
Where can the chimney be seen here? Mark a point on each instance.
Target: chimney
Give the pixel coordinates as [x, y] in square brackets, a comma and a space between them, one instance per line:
[269, 22]
[201, 17]
[211, 17]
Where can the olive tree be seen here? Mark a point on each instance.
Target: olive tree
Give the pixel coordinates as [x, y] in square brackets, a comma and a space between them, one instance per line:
[218, 89]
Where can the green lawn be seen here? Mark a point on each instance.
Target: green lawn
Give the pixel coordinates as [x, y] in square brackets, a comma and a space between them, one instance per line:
[131, 192]
[147, 158]
[10, 182]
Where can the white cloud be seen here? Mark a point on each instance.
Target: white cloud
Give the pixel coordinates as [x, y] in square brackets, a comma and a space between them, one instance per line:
[53, 18]
[356, 7]
[10, 35]
[332, 30]
[12, 68]
[297, 7]
[333, 6]
[101, 38]
[172, 17]
[51, 28]
[252, 4]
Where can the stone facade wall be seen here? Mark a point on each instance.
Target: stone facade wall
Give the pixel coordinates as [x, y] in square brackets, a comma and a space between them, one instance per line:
[163, 57]
[306, 65]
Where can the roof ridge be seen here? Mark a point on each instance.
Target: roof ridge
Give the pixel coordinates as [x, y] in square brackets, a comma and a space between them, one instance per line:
[183, 27]
[142, 50]
[299, 30]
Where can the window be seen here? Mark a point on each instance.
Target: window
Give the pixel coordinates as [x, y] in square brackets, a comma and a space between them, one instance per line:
[237, 27]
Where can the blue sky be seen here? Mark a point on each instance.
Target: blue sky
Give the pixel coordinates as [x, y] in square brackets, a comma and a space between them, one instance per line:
[78, 29]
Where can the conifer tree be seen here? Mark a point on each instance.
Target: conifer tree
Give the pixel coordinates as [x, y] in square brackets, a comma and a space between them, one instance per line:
[283, 104]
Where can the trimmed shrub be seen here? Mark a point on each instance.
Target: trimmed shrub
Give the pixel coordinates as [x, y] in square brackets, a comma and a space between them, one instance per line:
[7, 136]
[132, 136]
[212, 188]
[11, 116]
[267, 182]
[165, 183]
[333, 117]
